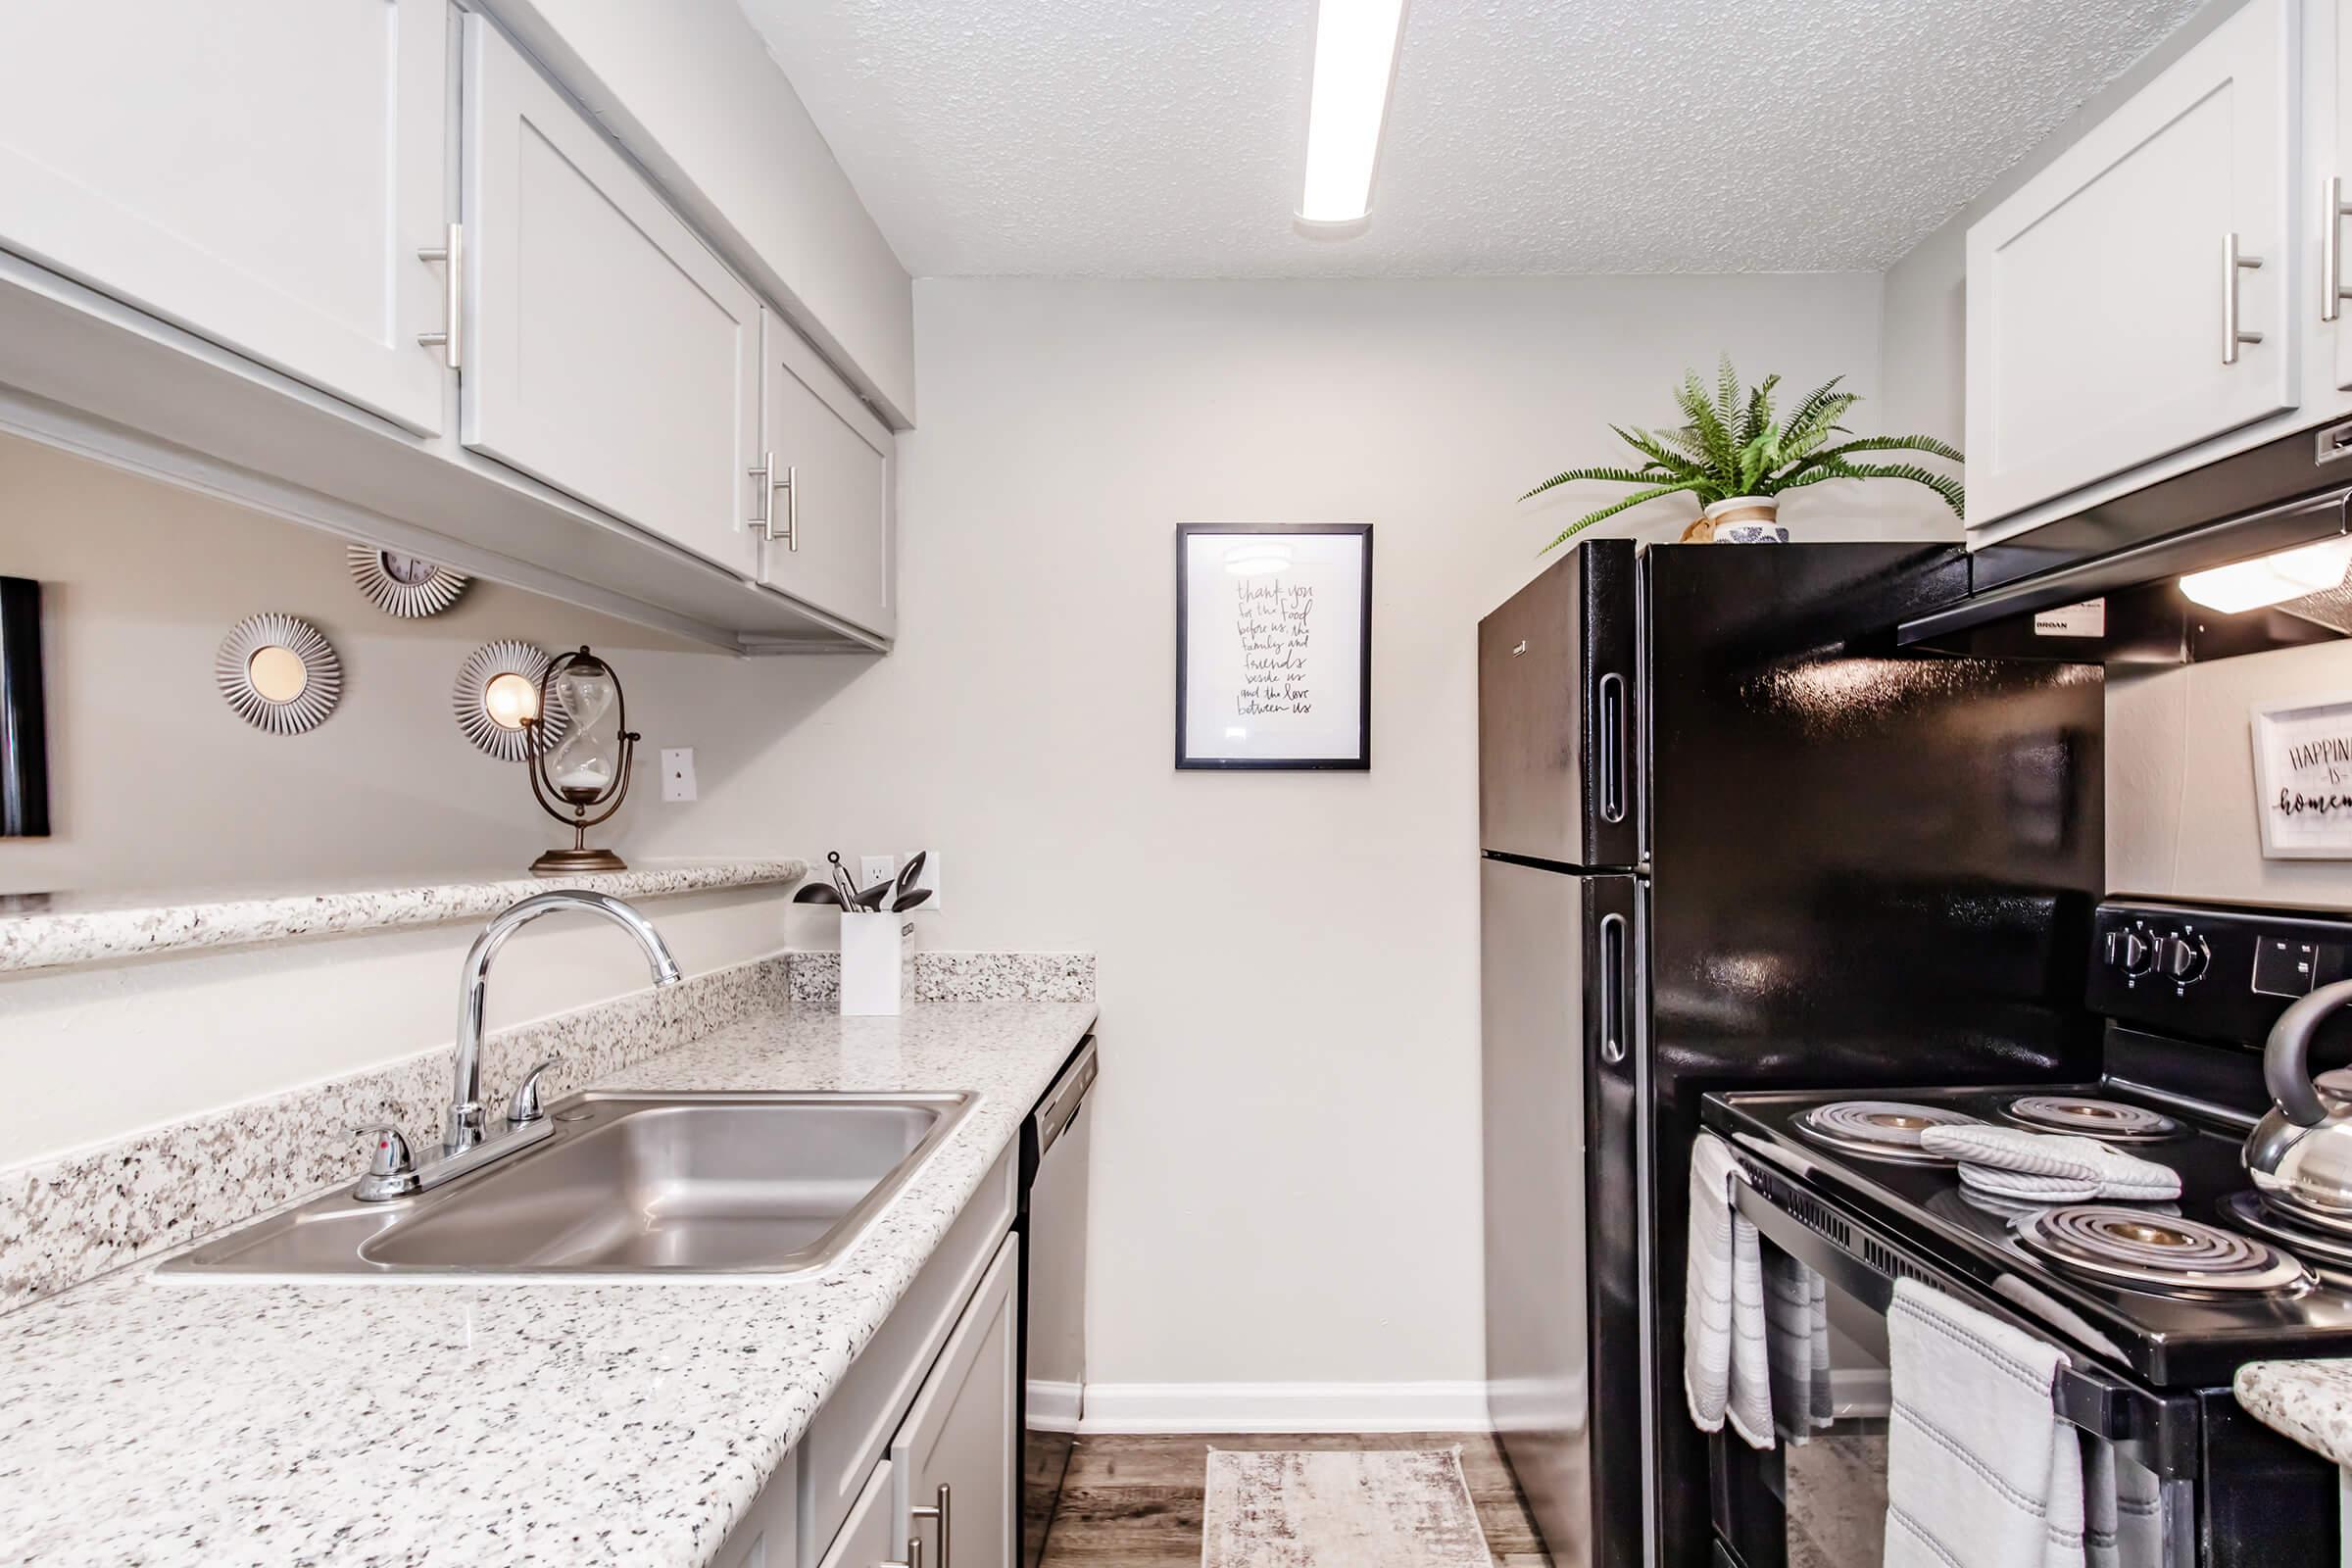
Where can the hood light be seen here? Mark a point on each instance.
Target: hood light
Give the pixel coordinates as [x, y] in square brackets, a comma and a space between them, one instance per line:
[1355, 55]
[2270, 579]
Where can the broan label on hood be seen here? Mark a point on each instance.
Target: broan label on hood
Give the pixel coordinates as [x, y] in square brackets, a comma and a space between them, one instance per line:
[2085, 620]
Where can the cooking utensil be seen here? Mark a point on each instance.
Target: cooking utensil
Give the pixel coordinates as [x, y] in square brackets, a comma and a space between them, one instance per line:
[909, 901]
[912, 871]
[871, 898]
[816, 893]
[2300, 1155]
[841, 880]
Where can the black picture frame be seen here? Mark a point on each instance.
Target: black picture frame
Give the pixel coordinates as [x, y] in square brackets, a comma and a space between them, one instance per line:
[24, 719]
[1361, 762]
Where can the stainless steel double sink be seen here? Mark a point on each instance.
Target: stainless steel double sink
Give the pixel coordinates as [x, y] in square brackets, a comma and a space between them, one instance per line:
[627, 1184]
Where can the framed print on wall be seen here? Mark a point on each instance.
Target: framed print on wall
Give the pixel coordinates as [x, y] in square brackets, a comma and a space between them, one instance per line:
[2303, 778]
[1274, 646]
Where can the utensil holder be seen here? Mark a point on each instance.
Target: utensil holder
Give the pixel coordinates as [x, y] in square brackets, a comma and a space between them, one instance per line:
[877, 964]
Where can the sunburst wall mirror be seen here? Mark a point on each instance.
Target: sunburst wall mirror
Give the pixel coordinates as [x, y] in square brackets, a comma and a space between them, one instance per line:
[496, 700]
[407, 586]
[280, 673]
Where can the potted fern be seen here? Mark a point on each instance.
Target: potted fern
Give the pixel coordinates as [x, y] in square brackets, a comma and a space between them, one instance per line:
[1738, 458]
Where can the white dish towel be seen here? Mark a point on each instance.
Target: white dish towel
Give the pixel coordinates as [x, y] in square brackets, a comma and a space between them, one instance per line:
[1981, 1473]
[1726, 1369]
[2049, 1167]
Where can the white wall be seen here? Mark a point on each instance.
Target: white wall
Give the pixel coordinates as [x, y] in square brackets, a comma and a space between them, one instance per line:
[2182, 819]
[1287, 1150]
[158, 787]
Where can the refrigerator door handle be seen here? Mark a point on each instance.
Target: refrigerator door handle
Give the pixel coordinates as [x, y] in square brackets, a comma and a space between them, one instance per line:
[1612, 988]
[1610, 723]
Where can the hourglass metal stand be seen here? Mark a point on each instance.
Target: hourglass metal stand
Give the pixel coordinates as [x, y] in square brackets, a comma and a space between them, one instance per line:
[581, 779]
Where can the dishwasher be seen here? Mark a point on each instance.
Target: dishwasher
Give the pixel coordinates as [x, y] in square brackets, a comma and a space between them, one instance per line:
[1054, 1144]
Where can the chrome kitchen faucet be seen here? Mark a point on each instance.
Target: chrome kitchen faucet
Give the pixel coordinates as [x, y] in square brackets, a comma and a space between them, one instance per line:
[465, 1144]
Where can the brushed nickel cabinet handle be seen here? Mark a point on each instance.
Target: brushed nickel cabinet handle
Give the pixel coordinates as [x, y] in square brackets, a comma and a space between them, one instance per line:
[2332, 213]
[769, 485]
[914, 1556]
[2233, 262]
[453, 254]
[938, 1512]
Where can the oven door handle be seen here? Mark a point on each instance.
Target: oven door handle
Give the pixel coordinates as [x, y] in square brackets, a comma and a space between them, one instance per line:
[2080, 1396]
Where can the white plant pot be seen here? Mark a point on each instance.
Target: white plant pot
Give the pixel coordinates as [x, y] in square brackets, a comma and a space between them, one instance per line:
[1748, 520]
[877, 964]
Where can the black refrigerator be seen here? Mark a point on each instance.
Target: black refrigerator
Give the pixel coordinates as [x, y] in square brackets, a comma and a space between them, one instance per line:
[1732, 835]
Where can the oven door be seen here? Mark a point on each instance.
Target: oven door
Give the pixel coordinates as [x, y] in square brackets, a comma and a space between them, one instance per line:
[1818, 1499]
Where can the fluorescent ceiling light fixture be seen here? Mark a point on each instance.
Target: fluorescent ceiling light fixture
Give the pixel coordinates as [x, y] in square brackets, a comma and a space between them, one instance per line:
[2270, 579]
[1355, 56]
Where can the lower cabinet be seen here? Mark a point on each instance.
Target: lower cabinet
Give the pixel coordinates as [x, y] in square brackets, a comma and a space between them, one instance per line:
[869, 1535]
[913, 1460]
[952, 1462]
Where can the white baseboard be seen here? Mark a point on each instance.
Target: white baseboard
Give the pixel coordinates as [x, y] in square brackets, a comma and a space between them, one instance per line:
[1054, 1406]
[1307, 1407]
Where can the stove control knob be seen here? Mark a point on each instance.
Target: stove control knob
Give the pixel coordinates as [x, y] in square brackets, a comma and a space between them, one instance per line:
[2130, 952]
[2186, 958]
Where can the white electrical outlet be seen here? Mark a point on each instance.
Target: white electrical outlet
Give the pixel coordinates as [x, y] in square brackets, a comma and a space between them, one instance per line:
[677, 773]
[874, 868]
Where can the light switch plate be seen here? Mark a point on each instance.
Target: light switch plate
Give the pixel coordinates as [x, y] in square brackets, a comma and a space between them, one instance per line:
[677, 773]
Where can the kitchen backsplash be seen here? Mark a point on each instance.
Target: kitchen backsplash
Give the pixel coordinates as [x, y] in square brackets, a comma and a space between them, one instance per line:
[65, 1220]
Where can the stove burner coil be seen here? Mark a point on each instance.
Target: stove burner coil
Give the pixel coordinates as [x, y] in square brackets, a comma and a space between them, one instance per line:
[1883, 1129]
[2318, 1247]
[2111, 1119]
[2164, 1254]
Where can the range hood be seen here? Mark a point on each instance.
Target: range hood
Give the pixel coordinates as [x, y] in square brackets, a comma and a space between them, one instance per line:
[2130, 555]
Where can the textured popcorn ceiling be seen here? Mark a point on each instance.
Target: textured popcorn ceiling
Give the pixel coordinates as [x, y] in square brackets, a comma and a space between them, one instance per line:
[1163, 139]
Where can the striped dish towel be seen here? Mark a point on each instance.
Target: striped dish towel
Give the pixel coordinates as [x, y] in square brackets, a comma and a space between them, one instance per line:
[1726, 1373]
[1981, 1473]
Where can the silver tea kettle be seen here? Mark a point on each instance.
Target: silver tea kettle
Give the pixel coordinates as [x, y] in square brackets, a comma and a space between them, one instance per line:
[2300, 1154]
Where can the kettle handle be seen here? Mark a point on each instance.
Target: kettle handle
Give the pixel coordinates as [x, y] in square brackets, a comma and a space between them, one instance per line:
[2286, 1055]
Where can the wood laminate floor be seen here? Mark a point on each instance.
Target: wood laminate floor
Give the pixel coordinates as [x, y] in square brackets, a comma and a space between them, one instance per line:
[1135, 1503]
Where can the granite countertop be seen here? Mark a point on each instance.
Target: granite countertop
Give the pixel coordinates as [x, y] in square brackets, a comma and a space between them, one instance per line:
[2311, 1402]
[482, 1423]
[46, 930]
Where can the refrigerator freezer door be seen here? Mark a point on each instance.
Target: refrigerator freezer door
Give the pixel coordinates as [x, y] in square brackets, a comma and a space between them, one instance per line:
[1561, 994]
[1559, 733]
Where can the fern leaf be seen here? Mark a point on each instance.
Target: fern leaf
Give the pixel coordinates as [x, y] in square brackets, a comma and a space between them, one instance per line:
[1610, 511]
[1651, 447]
[1714, 438]
[1758, 417]
[1943, 484]
[1601, 476]
[1890, 443]
[1811, 408]
[1726, 392]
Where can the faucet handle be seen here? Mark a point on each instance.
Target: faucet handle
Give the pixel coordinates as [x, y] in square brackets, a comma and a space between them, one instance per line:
[391, 1169]
[524, 1108]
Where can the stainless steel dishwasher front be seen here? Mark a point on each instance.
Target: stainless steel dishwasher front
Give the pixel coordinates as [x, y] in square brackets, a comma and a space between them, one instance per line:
[1056, 1148]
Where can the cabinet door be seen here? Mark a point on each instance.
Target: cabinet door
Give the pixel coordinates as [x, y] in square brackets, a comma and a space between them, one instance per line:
[955, 1452]
[830, 524]
[261, 174]
[867, 1538]
[607, 353]
[2099, 295]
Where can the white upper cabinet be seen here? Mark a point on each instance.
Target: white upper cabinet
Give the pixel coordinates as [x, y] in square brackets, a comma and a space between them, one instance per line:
[262, 174]
[2106, 324]
[605, 351]
[828, 515]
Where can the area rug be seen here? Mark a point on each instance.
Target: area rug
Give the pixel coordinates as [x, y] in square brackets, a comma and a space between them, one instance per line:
[1340, 1508]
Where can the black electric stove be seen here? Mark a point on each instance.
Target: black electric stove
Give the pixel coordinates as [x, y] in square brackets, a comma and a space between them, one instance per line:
[2157, 1304]
[2169, 1328]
